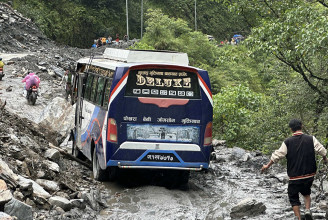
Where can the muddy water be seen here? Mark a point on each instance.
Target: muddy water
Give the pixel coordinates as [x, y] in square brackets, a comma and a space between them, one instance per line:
[207, 196]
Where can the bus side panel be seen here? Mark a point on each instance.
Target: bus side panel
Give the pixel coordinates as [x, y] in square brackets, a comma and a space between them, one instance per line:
[93, 117]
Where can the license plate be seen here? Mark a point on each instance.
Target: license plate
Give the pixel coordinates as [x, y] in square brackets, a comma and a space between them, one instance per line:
[160, 157]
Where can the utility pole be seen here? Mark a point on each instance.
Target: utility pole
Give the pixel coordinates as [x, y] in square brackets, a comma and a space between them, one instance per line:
[127, 19]
[141, 19]
[195, 15]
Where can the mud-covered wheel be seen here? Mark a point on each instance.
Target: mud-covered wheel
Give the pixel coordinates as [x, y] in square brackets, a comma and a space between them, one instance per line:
[98, 173]
[184, 177]
[32, 98]
[1, 77]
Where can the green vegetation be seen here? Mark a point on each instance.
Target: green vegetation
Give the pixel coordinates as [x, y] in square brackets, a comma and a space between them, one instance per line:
[279, 72]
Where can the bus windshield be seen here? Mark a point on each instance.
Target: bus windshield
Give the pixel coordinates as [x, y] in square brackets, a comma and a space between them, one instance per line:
[162, 83]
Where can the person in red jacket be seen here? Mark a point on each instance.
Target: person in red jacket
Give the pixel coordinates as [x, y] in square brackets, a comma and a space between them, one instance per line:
[300, 152]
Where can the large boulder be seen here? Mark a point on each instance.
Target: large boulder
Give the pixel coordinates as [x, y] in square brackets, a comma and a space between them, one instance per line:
[58, 116]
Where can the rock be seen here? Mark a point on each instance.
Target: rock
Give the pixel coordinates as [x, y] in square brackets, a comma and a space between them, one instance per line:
[14, 138]
[5, 196]
[4, 216]
[217, 143]
[59, 114]
[52, 165]
[3, 185]
[78, 203]
[247, 207]
[282, 177]
[18, 195]
[59, 210]
[246, 157]
[52, 154]
[7, 174]
[48, 184]
[19, 209]
[38, 191]
[237, 153]
[61, 202]
[92, 199]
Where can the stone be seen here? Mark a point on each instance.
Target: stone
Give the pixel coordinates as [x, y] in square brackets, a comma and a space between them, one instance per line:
[18, 195]
[48, 184]
[19, 209]
[217, 143]
[4, 216]
[78, 203]
[52, 154]
[7, 173]
[238, 153]
[5, 196]
[247, 207]
[61, 202]
[52, 165]
[3, 185]
[38, 191]
[246, 157]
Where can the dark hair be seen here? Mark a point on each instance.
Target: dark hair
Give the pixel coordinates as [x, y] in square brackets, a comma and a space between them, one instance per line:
[295, 124]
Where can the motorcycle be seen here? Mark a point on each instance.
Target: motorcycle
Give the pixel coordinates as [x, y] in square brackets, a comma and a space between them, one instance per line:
[32, 95]
[1, 73]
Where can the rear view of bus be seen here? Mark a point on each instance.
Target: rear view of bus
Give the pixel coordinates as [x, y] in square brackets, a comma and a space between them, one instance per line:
[159, 115]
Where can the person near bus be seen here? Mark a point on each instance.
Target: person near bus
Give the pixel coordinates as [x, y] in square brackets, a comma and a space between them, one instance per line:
[299, 149]
[67, 79]
[30, 80]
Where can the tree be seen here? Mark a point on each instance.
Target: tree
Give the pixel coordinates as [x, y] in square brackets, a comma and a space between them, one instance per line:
[296, 33]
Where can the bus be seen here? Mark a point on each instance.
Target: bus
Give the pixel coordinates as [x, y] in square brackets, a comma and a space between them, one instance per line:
[142, 109]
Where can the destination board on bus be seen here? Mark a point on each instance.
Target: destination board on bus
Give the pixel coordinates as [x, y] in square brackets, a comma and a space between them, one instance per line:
[163, 83]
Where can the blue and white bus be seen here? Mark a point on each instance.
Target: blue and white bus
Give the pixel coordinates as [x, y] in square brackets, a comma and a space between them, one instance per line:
[142, 109]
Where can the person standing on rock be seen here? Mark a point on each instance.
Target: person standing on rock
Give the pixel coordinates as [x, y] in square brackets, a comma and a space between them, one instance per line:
[300, 152]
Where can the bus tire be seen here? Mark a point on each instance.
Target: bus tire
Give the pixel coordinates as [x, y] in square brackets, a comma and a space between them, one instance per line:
[98, 173]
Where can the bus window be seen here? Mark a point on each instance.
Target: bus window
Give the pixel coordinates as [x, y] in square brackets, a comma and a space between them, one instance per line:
[100, 90]
[88, 87]
[107, 92]
[94, 89]
[163, 83]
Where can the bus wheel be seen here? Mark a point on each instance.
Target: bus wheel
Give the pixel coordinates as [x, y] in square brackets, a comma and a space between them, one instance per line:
[184, 177]
[98, 173]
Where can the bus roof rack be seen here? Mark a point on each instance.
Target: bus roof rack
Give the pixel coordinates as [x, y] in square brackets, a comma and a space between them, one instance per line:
[146, 56]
